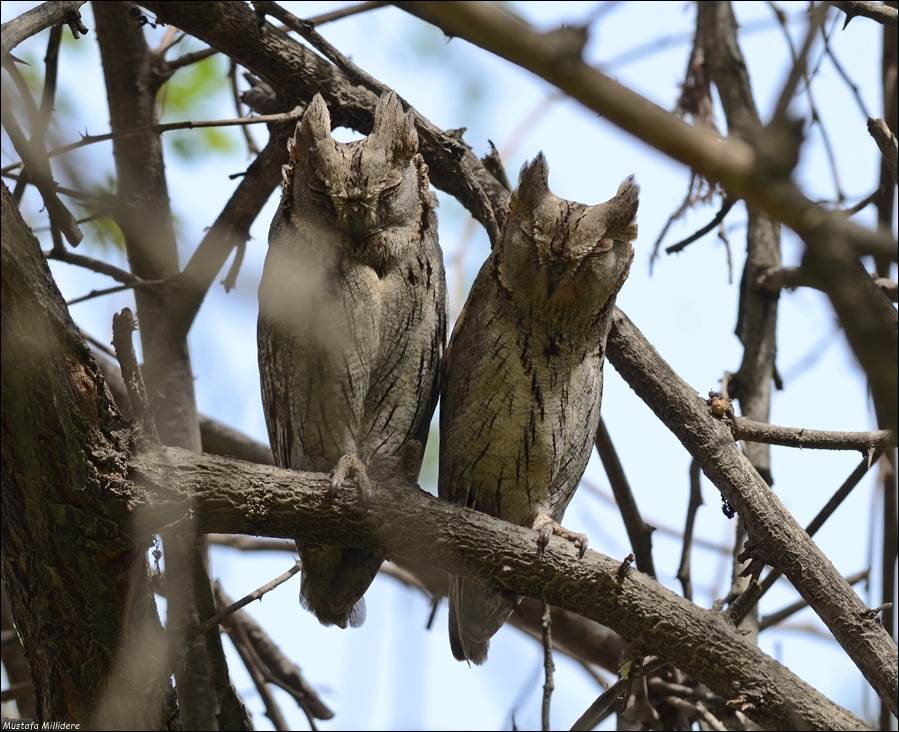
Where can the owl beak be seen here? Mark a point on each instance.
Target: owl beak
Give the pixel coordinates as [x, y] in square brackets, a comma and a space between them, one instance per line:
[554, 274]
[357, 222]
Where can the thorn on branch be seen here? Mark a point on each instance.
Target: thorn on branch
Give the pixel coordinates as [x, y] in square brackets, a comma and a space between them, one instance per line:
[624, 567]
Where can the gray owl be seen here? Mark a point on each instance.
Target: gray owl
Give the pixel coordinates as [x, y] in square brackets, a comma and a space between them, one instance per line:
[352, 323]
[522, 377]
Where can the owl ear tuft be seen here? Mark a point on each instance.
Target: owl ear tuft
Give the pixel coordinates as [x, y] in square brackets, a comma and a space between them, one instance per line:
[394, 129]
[533, 181]
[315, 124]
[621, 209]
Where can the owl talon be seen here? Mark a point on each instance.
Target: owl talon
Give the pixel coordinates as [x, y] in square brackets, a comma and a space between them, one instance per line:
[333, 487]
[543, 536]
[546, 527]
[351, 466]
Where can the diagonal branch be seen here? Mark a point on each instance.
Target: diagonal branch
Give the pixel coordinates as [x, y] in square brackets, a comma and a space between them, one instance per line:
[775, 532]
[297, 74]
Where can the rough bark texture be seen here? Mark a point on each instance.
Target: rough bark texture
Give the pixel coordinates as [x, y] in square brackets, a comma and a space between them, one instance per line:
[232, 496]
[76, 575]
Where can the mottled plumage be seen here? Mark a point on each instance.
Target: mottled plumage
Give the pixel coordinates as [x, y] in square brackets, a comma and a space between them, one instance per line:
[352, 322]
[522, 379]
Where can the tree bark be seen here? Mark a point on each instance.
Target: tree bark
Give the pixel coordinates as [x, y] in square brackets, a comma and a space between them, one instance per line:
[74, 568]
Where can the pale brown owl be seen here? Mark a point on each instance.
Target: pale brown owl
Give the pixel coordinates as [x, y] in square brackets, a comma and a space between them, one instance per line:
[522, 377]
[352, 322]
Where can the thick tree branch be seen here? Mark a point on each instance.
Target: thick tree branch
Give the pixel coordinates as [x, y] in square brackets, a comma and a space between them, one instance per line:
[213, 494]
[778, 537]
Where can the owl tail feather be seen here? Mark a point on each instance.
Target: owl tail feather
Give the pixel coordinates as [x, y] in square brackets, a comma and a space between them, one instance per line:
[334, 579]
[475, 614]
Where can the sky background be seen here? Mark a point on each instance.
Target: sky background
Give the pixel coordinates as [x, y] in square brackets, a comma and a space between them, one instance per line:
[393, 673]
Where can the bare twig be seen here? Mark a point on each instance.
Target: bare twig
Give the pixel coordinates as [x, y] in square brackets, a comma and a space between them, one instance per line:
[158, 129]
[726, 205]
[886, 141]
[251, 543]
[683, 571]
[751, 431]
[243, 602]
[40, 120]
[744, 602]
[39, 171]
[800, 67]
[275, 667]
[844, 75]
[873, 197]
[659, 526]
[346, 12]
[601, 708]
[112, 290]
[252, 147]
[548, 684]
[254, 667]
[638, 531]
[826, 512]
[798, 70]
[95, 265]
[191, 58]
[691, 197]
[123, 325]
